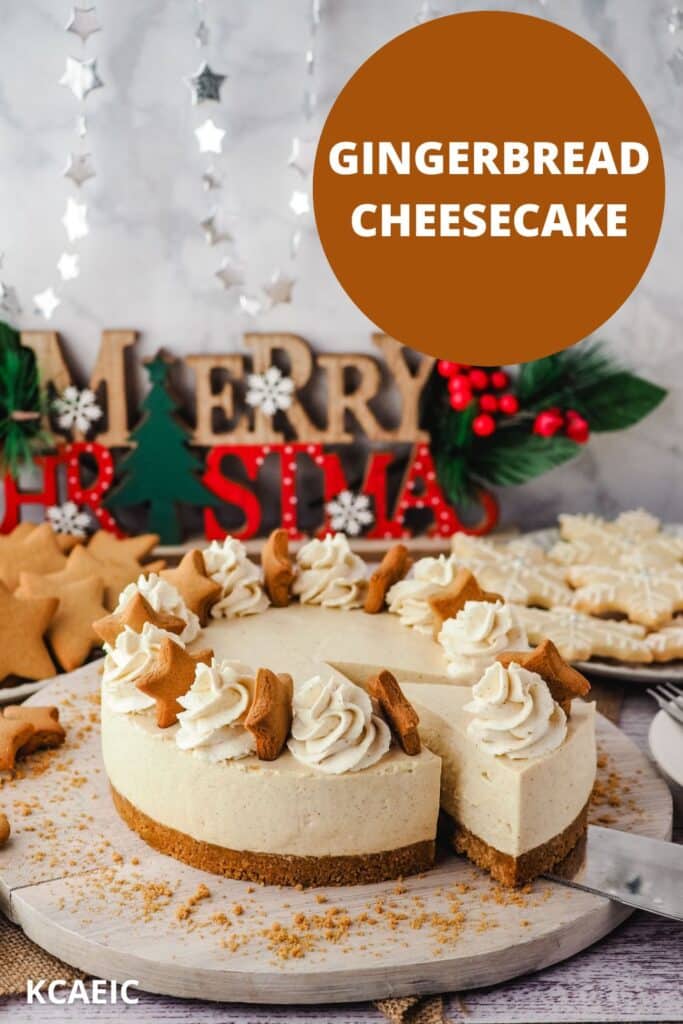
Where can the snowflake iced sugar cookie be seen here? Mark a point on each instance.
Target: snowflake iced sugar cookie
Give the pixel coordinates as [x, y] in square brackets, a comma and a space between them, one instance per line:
[519, 575]
[579, 637]
[647, 596]
[667, 644]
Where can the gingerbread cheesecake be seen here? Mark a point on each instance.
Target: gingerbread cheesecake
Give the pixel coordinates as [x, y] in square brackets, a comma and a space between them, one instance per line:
[309, 723]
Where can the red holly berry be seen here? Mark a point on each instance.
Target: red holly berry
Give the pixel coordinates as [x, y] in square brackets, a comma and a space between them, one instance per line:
[488, 403]
[460, 401]
[548, 422]
[459, 384]
[509, 404]
[577, 428]
[500, 380]
[483, 425]
[479, 379]
[446, 368]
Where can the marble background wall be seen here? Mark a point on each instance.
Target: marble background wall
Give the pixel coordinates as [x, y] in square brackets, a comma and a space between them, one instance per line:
[145, 263]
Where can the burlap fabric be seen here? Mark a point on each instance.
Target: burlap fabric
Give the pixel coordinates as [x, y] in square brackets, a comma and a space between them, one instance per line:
[21, 959]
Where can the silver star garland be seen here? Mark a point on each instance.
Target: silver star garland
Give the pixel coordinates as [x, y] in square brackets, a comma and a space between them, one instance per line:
[81, 77]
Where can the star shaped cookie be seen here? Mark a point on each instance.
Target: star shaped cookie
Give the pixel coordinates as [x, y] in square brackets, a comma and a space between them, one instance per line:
[645, 595]
[278, 568]
[667, 643]
[269, 718]
[393, 567]
[564, 682]
[115, 575]
[23, 624]
[450, 600]
[135, 614]
[107, 547]
[521, 575]
[171, 677]
[13, 736]
[194, 584]
[47, 729]
[34, 550]
[70, 632]
[579, 637]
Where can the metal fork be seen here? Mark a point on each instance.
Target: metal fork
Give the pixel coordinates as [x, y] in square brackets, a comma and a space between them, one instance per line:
[669, 696]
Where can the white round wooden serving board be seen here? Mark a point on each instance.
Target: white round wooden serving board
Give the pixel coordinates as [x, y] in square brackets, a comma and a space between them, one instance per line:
[79, 884]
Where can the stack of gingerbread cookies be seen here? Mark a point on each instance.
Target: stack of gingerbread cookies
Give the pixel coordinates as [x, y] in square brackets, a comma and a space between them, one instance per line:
[607, 589]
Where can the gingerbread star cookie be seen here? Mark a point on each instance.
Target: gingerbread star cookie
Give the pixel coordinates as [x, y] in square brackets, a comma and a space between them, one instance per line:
[564, 682]
[393, 567]
[667, 643]
[70, 632]
[109, 548]
[197, 589]
[23, 624]
[13, 736]
[446, 603]
[579, 637]
[116, 575]
[5, 830]
[518, 575]
[278, 569]
[645, 595]
[35, 551]
[397, 709]
[270, 716]
[170, 677]
[135, 614]
[47, 729]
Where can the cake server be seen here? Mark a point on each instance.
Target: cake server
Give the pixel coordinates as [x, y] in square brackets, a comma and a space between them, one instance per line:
[636, 870]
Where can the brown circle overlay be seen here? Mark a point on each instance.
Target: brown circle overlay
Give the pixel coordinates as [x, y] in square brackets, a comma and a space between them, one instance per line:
[495, 77]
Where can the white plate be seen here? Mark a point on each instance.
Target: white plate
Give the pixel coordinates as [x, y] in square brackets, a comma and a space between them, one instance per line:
[656, 672]
[12, 694]
[666, 746]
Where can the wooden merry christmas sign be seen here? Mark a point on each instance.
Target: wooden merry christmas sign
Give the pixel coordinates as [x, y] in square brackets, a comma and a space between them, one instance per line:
[275, 435]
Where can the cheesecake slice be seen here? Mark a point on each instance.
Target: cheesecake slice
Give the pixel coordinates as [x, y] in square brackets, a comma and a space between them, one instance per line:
[514, 817]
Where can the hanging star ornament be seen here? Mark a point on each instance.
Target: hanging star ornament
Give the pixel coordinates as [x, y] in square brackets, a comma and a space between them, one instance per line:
[299, 203]
[9, 303]
[205, 85]
[279, 288]
[210, 180]
[83, 23]
[202, 34]
[75, 220]
[675, 20]
[81, 77]
[212, 233]
[46, 303]
[79, 168]
[302, 155]
[229, 275]
[251, 304]
[68, 265]
[210, 137]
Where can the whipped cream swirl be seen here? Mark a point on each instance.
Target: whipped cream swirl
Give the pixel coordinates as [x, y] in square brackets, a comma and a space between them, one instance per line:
[330, 574]
[163, 597]
[132, 655]
[515, 714]
[409, 598]
[335, 729]
[476, 635]
[216, 705]
[242, 591]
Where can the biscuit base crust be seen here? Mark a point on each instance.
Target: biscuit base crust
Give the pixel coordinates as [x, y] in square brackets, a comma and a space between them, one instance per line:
[272, 868]
[515, 871]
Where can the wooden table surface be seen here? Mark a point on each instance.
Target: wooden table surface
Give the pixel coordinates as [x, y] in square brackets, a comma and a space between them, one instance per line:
[635, 974]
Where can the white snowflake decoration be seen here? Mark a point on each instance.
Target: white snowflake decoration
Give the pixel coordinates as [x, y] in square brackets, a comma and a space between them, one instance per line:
[350, 513]
[68, 518]
[270, 391]
[77, 409]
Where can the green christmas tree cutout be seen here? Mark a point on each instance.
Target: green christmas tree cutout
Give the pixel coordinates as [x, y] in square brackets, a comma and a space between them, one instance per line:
[160, 471]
